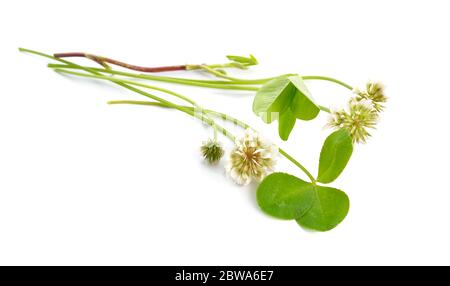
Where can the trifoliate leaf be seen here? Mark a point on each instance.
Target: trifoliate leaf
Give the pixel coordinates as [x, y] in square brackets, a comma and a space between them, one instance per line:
[284, 196]
[330, 207]
[336, 152]
[282, 93]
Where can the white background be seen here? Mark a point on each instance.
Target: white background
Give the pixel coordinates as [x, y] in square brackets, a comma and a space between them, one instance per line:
[84, 183]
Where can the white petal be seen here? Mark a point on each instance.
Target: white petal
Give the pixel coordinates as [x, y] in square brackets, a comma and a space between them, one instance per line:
[240, 179]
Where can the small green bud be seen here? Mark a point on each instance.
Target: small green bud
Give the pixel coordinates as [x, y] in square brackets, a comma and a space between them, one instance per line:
[212, 151]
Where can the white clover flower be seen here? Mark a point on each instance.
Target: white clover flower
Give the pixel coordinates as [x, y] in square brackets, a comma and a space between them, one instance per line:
[360, 116]
[251, 159]
[375, 93]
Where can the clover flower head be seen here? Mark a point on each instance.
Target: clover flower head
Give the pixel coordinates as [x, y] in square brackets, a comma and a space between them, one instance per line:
[375, 93]
[251, 159]
[212, 151]
[360, 116]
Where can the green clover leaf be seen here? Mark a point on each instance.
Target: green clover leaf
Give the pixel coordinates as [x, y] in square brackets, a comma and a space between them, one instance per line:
[285, 98]
[284, 196]
[329, 209]
[336, 152]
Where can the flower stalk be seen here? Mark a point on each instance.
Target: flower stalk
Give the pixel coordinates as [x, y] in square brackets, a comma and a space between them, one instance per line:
[200, 83]
[231, 83]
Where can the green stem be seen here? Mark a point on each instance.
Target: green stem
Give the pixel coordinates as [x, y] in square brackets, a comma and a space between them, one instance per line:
[113, 79]
[108, 78]
[290, 158]
[219, 84]
[326, 78]
[199, 83]
[225, 117]
[235, 80]
[191, 111]
[323, 108]
[142, 76]
[208, 111]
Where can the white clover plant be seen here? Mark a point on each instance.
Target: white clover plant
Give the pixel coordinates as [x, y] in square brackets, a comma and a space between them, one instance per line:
[286, 99]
